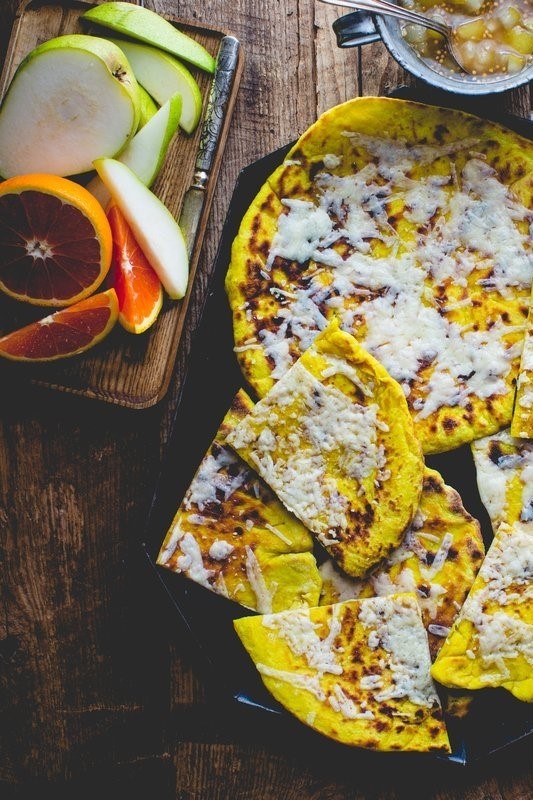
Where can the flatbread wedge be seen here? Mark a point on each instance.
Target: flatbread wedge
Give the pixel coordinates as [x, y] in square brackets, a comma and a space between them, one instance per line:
[357, 672]
[437, 560]
[522, 421]
[233, 536]
[334, 440]
[504, 474]
[491, 642]
[410, 224]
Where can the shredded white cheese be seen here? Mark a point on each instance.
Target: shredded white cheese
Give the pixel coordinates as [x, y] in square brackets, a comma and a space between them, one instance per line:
[254, 574]
[396, 627]
[467, 225]
[300, 634]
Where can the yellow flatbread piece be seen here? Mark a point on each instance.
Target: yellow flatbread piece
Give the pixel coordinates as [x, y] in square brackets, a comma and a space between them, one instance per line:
[522, 421]
[334, 440]
[437, 560]
[491, 642]
[504, 473]
[357, 672]
[233, 536]
[410, 224]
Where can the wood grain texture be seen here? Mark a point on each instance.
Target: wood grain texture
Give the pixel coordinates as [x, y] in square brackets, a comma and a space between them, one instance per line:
[101, 693]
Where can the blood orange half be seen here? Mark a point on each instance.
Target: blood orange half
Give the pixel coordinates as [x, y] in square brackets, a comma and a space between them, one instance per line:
[55, 240]
[66, 332]
[138, 288]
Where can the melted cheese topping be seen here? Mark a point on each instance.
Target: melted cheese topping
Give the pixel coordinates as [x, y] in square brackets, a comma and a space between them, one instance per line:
[468, 233]
[504, 469]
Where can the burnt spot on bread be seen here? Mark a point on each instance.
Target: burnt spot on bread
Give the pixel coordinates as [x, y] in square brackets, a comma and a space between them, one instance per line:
[441, 133]
[432, 484]
[449, 424]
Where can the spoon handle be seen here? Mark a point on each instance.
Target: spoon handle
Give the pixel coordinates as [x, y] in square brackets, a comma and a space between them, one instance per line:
[383, 7]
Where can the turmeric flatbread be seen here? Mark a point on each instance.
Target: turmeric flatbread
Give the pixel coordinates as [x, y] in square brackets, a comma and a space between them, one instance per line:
[522, 421]
[334, 440]
[357, 672]
[504, 472]
[438, 560]
[410, 225]
[231, 534]
[491, 642]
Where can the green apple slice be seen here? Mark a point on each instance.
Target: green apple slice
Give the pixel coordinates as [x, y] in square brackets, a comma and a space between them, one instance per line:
[145, 153]
[162, 76]
[155, 229]
[148, 106]
[148, 26]
[72, 99]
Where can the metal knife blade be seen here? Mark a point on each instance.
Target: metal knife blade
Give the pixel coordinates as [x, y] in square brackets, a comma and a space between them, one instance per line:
[194, 198]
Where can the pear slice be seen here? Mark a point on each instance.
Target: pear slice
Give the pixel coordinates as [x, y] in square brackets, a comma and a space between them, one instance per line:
[148, 26]
[148, 106]
[162, 76]
[72, 99]
[145, 153]
[155, 229]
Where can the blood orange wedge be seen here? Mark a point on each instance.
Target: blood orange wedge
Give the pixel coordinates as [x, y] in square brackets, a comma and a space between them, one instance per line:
[55, 240]
[138, 288]
[67, 332]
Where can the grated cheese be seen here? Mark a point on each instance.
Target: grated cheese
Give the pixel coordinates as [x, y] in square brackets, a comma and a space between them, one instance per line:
[440, 556]
[192, 562]
[257, 582]
[309, 683]
[300, 633]
[396, 627]
[220, 550]
[278, 533]
[213, 476]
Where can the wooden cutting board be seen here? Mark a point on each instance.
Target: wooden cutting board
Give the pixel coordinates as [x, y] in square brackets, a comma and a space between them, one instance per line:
[126, 369]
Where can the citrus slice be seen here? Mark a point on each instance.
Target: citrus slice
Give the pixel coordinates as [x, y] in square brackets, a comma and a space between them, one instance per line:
[55, 240]
[67, 332]
[138, 288]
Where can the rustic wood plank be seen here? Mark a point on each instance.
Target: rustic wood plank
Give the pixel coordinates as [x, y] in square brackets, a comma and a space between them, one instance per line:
[337, 71]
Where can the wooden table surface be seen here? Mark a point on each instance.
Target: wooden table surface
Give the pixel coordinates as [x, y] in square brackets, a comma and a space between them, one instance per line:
[100, 696]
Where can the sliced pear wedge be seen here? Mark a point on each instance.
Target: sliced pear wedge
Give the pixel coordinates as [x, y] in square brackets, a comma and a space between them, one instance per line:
[72, 99]
[162, 75]
[155, 229]
[145, 153]
[148, 26]
[148, 106]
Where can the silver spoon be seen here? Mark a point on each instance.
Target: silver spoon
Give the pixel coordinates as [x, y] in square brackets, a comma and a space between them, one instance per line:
[384, 7]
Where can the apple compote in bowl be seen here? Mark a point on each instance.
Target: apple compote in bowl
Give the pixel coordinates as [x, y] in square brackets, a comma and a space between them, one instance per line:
[494, 39]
